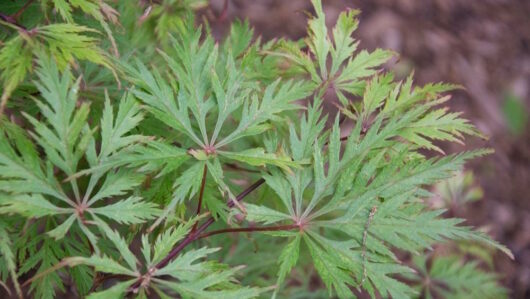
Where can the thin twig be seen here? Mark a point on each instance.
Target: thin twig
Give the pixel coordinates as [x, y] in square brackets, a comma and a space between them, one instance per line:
[224, 12]
[21, 10]
[193, 235]
[201, 194]
[12, 22]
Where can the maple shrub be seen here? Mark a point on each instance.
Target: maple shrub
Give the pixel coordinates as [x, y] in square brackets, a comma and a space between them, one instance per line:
[141, 157]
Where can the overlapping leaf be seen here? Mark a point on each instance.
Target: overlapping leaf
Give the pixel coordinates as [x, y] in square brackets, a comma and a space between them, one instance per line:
[190, 275]
[66, 138]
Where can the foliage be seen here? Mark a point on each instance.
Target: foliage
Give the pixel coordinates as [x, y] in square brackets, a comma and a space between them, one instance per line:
[113, 193]
[450, 277]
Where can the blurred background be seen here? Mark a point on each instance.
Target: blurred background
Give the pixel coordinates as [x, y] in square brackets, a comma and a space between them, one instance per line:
[483, 45]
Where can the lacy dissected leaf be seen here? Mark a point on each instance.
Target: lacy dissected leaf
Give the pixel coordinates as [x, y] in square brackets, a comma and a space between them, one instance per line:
[66, 138]
[185, 186]
[371, 195]
[92, 8]
[132, 210]
[258, 157]
[116, 291]
[337, 265]
[453, 278]
[240, 38]
[99, 10]
[288, 259]
[14, 70]
[8, 256]
[189, 275]
[20, 166]
[65, 42]
[49, 255]
[341, 200]
[154, 156]
[169, 16]
[346, 71]
[363, 65]
[32, 206]
[205, 76]
[433, 124]
[274, 101]
[438, 125]
[202, 78]
[165, 242]
[264, 214]
[161, 101]
[205, 287]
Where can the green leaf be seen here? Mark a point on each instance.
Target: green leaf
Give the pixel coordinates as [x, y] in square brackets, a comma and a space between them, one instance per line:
[47, 257]
[66, 42]
[438, 125]
[319, 42]
[154, 156]
[132, 210]
[120, 244]
[263, 214]
[288, 259]
[116, 184]
[23, 174]
[64, 9]
[102, 264]
[204, 287]
[276, 98]
[31, 206]
[59, 135]
[362, 65]
[13, 71]
[61, 230]
[167, 240]
[185, 186]
[380, 274]
[344, 45]
[8, 256]
[183, 267]
[116, 291]
[375, 93]
[330, 270]
[258, 157]
[159, 97]
[240, 37]
[454, 278]
[114, 129]
[282, 188]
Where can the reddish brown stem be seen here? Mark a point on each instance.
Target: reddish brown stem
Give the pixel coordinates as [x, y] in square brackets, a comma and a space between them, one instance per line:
[12, 21]
[201, 194]
[249, 229]
[21, 10]
[193, 235]
[224, 12]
